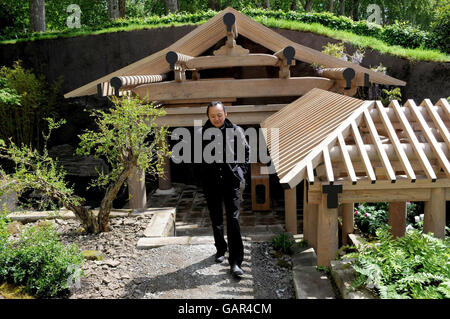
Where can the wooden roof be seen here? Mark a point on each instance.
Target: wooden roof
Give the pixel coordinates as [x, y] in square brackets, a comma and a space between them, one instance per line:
[206, 35]
[332, 138]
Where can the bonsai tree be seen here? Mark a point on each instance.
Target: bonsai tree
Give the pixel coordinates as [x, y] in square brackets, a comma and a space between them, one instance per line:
[127, 138]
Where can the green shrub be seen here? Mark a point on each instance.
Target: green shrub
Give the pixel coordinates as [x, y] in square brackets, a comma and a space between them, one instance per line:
[39, 261]
[396, 34]
[283, 243]
[369, 217]
[24, 100]
[413, 266]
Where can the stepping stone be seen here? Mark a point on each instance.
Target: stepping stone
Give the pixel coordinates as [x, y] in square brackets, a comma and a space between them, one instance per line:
[149, 243]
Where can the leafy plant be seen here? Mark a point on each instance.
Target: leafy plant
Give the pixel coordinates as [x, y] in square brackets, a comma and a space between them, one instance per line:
[413, 266]
[283, 243]
[24, 100]
[390, 95]
[39, 261]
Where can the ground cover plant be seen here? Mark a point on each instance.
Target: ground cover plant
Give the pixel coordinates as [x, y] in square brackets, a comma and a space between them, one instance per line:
[38, 261]
[414, 266]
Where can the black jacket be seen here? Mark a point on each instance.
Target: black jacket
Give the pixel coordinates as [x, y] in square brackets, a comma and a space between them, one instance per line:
[237, 166]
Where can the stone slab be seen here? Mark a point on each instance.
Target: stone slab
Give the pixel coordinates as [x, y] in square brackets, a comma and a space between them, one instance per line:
[343, 275]
[149, 243]
[161, 224]
[199, 240]
[305, 258]
[310, 283]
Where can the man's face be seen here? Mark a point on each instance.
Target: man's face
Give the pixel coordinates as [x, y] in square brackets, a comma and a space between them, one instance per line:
[217, 115]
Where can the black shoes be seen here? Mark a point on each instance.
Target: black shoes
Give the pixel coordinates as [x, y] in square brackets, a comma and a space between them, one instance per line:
[236, 270]
[219, 257]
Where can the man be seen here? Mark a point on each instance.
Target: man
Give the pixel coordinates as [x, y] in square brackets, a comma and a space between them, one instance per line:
[221, 182]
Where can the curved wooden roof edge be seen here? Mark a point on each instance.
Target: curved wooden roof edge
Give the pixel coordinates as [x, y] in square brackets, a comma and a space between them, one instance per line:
[418, 158]
[206, 35]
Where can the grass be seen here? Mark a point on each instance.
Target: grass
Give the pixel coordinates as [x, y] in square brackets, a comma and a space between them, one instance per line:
[418, 54]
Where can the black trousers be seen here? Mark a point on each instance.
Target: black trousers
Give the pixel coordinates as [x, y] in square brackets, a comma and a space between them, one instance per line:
[226, 191]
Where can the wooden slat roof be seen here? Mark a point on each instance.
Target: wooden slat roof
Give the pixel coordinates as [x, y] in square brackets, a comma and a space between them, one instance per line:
[346, 140]
[206, 35]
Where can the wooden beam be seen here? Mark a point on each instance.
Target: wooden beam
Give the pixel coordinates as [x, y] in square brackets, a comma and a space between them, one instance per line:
[443, 161]
[395, 142]
[413, 140]
[443, 103]
[328, 165]
[379, 147]
[297, 173]
[437, 121]
[346, 158]
[380, 195]
[216, 62]
[362, 151]
[310, 172]
[346, 74]
[129, 81]
[231, 88]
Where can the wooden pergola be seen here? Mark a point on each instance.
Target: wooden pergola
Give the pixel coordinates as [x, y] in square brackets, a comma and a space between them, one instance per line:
[172, 78]
[349, 151]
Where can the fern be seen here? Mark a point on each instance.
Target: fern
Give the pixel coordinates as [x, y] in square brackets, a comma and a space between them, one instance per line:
[414, 266]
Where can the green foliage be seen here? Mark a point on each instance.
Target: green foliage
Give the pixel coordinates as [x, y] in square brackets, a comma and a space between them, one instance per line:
[39, 261]
[283, 243]
[35, 170]
[148, 12]
[24, 100]
[441, 26]
[390, 95]
[127, 136]
[369, 217]
[413, 266]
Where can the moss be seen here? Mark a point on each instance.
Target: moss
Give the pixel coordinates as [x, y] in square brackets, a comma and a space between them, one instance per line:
[92, 255]
[283, 263]
[9, 291]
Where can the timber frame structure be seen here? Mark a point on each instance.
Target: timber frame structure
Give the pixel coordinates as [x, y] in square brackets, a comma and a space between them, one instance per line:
[348, 151]
[345, 149]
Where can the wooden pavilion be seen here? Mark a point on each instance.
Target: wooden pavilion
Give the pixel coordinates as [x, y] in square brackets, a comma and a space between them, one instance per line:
[348, 150]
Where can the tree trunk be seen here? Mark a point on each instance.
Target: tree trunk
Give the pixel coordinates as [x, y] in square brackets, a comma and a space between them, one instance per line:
[213, 5]
[107, 201]
[342, 8]
[37, 15]
[308, 5]
[293, 5]
[113, 9]
[331, 6]
[267, 4]
[171, 6]
[354, 10]
[122, 5]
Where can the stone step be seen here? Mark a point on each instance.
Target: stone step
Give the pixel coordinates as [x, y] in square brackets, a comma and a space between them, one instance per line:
[309, 283]
[149, 243]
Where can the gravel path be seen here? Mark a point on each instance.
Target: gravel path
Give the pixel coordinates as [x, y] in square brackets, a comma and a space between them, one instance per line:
[171, 272]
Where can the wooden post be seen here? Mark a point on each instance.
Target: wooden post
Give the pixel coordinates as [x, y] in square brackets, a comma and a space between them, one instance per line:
[347, 222]
[327, 233]
[313, 211]
[137, 190]
[165, 180]
[397, 218]
[434, 216]
[290, 210]
[306, 232]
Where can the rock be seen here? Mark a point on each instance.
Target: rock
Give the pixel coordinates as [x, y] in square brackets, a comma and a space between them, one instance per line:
[111, 263]
[92, 255]
[80, 230]
[14, 227]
